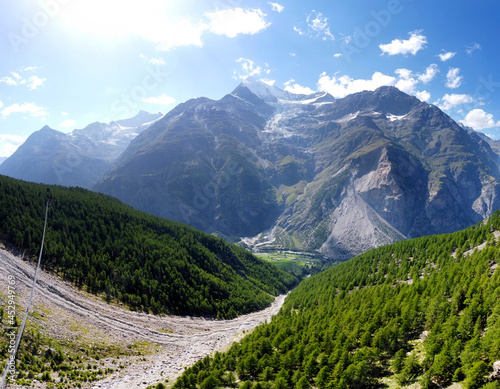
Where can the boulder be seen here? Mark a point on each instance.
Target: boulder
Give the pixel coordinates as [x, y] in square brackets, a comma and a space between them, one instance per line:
[496, 371]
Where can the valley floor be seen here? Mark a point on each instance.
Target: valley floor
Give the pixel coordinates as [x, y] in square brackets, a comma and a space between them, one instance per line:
[171, 343]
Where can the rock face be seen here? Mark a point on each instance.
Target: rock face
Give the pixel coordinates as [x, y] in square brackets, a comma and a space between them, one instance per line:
[79, 158]
[310, 172]
[496, 371]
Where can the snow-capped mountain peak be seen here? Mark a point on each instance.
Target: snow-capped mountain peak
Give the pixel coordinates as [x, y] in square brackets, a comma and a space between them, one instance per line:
[116, 131]
[271, 93]
[141, 118]
[79, 158]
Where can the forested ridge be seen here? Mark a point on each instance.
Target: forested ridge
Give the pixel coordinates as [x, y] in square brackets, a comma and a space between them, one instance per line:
[146, 262]
[423, 311]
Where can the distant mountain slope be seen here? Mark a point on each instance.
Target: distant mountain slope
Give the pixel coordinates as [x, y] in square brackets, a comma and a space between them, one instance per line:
[79, 158]
[425, 310]
[148, 263]
[308, 171]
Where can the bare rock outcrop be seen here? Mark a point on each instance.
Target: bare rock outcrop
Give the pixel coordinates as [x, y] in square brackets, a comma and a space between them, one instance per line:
[496, 371]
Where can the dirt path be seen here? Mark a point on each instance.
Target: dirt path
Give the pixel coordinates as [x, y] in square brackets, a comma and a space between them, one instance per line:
[179, 341]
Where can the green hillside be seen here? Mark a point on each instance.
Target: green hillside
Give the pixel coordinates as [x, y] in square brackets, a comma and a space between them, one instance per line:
[148, 263]
[423, 311]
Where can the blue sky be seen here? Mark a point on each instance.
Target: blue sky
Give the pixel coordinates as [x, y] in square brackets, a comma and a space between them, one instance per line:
[68, 63]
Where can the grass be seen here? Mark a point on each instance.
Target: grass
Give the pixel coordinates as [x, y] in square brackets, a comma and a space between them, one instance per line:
[290, 261]
[290, 265]
[293, 192]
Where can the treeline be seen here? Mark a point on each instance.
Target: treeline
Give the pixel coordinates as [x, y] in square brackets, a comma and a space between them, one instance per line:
[415, 311]
[148, 263]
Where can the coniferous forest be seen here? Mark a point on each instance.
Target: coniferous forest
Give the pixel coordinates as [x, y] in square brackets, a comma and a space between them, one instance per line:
[148, 263]
[420, 311]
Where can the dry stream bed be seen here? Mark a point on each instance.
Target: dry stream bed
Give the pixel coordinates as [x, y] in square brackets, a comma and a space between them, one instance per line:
[170, 343]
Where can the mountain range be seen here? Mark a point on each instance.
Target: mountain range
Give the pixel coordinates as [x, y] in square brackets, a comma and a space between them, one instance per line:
[310, 172]
[79, 158]
[274, 169]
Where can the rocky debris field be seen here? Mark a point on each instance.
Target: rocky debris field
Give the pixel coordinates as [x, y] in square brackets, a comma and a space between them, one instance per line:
[65, 313]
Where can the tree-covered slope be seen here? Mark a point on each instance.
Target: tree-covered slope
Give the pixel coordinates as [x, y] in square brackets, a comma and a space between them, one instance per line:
[148, 263]
[425, 310]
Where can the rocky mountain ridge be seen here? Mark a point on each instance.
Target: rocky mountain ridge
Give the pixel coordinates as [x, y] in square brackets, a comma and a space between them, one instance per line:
[79, 158]
[310, 172]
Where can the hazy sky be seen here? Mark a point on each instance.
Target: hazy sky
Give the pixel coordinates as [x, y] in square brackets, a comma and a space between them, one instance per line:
[67, 63]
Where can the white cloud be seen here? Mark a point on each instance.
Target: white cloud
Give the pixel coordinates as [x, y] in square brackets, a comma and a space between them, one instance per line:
[268, 82]
[64, 113]
[163, 99]
[154, 20]
[429, 74]
[35, 81]
[157, 61]
[413, 45]
[446, 56]
[337, 55]
[472, 47]
[407, 81]
[250, 68]
[9, 144]
[317, 27]
[318, 23]
[152, 60]
[277, 7]
[158, 21]
[69, 123]
[29, 108]
[404, 73]
[449, 101]
[181, 33]
[423, 95]
[292, 87]
[298, 30]
[32, 82]
[453, 80]
[11, 81]
[348, 38]
[29, 68]
[231, 22]
[479, 120]
[345, 85]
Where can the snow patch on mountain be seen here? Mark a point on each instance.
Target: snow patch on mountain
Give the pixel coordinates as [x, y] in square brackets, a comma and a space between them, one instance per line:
[348, 117]
[393, 118]
[239, 98]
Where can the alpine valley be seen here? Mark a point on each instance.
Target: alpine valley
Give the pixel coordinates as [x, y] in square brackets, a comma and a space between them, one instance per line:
[268, 169]
[310, 172]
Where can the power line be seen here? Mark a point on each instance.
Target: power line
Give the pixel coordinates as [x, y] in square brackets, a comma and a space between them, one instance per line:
[12, 357]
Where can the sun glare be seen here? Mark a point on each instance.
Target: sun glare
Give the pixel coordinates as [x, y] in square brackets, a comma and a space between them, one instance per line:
[115, 18]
